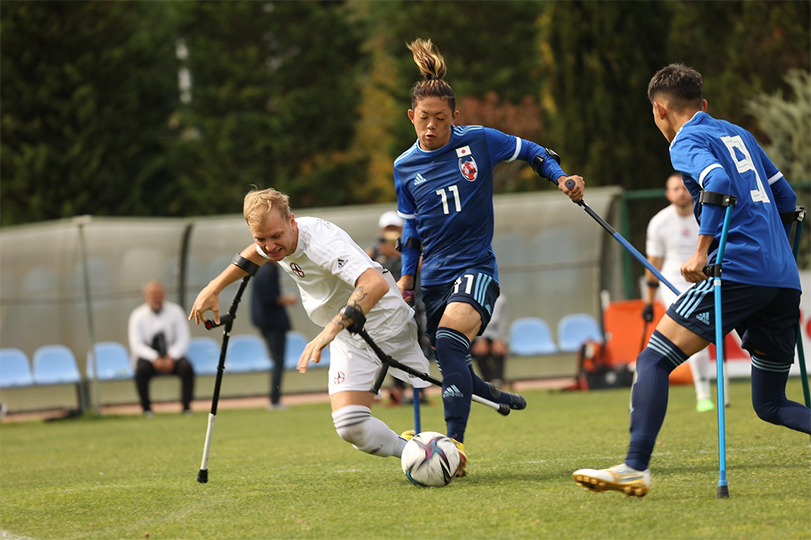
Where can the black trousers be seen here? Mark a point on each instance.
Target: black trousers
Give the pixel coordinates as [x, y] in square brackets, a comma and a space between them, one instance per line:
[144, 371]
[490, 365]
[277, 342]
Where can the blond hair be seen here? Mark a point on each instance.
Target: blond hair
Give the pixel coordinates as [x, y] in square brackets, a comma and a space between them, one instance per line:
[259, 204]
[433, 69]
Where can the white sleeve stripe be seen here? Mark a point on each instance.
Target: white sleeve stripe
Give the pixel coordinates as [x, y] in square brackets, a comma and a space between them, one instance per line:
[405, 216]
[775, 178]
[517, 149]
[706, 171]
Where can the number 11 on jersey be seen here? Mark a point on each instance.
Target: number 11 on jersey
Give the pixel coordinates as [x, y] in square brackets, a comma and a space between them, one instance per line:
[455, 190]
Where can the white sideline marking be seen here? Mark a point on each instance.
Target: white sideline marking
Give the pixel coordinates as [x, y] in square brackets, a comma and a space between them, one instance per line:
[5, 535]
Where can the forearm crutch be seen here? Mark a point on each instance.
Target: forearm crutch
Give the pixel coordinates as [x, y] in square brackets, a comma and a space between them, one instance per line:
[623, 242]
[714, 271]
[798, 217]
[227, 321]
[388, 361]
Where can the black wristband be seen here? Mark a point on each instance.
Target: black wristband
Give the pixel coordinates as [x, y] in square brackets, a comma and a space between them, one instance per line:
[357, 316]
[244, 264]
[652, 284]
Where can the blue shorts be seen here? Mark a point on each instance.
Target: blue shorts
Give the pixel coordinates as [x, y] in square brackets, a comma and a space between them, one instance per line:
[473, 287]
[766, 318]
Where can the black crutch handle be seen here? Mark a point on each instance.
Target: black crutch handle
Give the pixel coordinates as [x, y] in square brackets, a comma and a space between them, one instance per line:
[225, 319]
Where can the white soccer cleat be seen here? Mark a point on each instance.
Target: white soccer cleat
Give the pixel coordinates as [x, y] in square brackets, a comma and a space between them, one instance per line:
[618, 478]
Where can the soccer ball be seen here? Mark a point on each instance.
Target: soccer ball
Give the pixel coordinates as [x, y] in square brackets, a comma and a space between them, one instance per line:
[430, 459]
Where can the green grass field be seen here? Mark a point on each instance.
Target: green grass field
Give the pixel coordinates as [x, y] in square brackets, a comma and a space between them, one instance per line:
[288, 475]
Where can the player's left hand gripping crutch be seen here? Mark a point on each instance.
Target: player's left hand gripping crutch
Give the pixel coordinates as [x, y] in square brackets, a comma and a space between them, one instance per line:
[627, 245]
[388, 361]
[714, 271]
[798, 217]
[227, 321]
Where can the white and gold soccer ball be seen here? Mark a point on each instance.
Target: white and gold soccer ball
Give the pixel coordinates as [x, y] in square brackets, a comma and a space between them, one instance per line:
[430, 459]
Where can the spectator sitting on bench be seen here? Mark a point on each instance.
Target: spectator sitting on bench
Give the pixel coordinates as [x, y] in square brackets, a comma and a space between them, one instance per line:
[159, 339]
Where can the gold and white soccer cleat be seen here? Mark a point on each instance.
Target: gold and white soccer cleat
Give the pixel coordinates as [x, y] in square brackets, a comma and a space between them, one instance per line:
[618, 478]
[461, 471]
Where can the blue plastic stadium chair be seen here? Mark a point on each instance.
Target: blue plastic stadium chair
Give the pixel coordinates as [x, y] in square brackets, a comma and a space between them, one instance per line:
[577, 328]
[247, 352]
[530, 336]
[14, 368]
[113, 360]
[296, 341]
[55, 364]
[204, 355]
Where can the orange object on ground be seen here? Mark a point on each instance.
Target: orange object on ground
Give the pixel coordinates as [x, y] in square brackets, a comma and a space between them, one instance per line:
[623, 325]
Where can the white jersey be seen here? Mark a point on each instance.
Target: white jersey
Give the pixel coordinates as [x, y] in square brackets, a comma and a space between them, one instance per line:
[326, 265]
[674, 238]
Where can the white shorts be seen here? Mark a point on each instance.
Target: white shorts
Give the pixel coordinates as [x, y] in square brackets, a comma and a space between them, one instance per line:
[353, 365]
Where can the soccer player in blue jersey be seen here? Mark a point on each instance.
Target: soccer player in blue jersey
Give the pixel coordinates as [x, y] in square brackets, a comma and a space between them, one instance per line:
[444, 186]
[761, 283]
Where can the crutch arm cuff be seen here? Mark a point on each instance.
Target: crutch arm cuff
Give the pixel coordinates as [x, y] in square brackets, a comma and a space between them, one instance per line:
[712, 270]
[720, 199]
[244, 264]
[411, 242]
[354, 316]
[798, 214]
[538, 164]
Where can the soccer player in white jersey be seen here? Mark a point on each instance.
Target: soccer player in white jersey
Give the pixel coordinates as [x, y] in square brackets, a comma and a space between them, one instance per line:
[444, 185]
[761, 283]
[339, 285]
[671, 240]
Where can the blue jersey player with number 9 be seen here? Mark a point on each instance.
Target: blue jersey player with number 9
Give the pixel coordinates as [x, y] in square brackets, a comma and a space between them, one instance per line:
[444, 186]
[761, 283]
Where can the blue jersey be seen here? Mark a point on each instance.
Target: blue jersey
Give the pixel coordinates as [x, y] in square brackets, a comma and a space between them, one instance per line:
[446, 197]
[715, 155]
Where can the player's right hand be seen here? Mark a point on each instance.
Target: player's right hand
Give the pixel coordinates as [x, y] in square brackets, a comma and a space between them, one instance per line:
[409, 297]
[406, 286]
[576, 193]
[207, 300]
[647, 312]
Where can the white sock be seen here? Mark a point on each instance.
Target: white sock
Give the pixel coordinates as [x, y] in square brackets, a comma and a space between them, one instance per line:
[356, 425]
[700, 368]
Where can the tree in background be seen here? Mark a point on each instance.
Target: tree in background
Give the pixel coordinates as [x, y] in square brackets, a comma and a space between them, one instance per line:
[599, 57]
[311, 97]
[273, 102]
[741, 48]
[87, 90]
[787, 121]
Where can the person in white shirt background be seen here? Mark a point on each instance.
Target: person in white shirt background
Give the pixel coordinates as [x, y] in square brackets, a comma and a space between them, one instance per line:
[159, 339]
[671, 240]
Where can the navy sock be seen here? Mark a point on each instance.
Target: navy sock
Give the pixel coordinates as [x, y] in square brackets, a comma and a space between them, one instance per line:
[452, 348]
[769, 396]
[482, 389]
[649, 397]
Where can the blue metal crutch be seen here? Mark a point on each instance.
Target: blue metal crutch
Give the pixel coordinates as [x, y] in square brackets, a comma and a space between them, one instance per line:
[714, 271]
[797, 217]
[625, 243]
